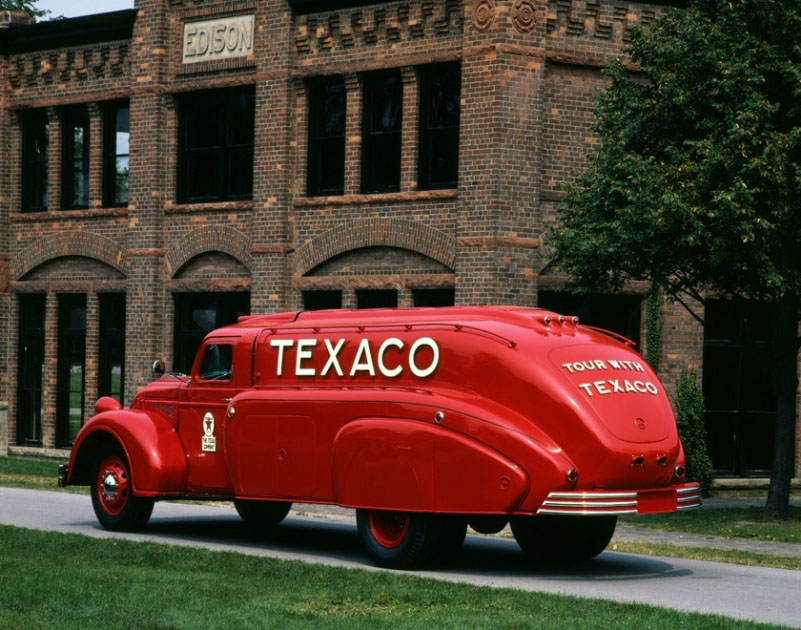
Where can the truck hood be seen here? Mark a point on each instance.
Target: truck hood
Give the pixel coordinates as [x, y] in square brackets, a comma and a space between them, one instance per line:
[620, 387]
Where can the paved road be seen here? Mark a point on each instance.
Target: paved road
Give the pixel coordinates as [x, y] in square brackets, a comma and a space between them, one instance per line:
[769, 595]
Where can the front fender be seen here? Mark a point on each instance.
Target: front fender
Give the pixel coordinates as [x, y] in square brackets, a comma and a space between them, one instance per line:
[150, 442]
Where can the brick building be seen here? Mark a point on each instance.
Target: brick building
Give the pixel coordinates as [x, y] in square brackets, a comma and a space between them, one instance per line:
[167, 168]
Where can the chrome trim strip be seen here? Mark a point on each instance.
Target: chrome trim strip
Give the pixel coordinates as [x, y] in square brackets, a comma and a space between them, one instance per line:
[592, 495]
[689, 507]
[590, 504]
[695, 488]
[694, 497]
[601, 512]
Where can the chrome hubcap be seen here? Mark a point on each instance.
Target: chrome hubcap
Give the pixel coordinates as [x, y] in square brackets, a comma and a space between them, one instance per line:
[110, 487]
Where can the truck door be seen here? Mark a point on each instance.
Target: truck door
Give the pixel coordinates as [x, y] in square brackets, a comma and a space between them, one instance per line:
[201, 420]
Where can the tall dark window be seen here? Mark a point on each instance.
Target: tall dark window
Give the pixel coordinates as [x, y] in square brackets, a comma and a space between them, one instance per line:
[30, 363]
[35, 143]
[117, 132]
[321, 299]
[434, 297]
[326, 174]
[381, 136]
[617, 313]
[438, 155]
[739, 386]
[75, 158]
[215, 152]
[71, 378]
[196, 315]
[376, 298]
[111, 347]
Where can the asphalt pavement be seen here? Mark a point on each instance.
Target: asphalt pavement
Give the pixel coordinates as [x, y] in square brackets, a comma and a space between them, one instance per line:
[750, 593]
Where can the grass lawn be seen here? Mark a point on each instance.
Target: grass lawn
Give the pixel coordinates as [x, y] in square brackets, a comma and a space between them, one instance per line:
[51, 580]
[34, 474]
[729, 522]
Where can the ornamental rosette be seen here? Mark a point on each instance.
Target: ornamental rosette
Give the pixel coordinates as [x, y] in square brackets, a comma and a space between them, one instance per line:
[524, 15]
[483, 14]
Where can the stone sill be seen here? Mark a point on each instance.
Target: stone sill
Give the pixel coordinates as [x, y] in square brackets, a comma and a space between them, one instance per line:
[344, 200]
[215, 206]
[61, 215]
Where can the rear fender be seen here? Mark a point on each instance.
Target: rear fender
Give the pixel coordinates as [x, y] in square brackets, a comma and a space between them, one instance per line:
[402, 464]
[150, 442]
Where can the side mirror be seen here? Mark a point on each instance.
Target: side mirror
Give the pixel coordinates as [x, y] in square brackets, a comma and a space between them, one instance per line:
[159, 369]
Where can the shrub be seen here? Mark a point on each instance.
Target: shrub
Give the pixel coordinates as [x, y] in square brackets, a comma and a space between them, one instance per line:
[690, 419]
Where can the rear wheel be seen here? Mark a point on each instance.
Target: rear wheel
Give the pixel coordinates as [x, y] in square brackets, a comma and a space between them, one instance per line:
[396, 540]
[115, 504]
[262, 514]
[563, 539]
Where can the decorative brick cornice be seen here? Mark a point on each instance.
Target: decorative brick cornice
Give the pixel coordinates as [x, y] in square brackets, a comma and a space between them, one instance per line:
[403, 22]
[412, 235]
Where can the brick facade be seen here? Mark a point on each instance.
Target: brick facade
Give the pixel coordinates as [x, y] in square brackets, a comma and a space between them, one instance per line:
[529, 71]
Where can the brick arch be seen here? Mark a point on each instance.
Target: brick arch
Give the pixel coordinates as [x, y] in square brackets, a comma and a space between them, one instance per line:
[80, 243]
[209, 238]
[411, 235]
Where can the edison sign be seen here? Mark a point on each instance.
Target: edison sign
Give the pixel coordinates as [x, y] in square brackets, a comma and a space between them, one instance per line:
[224, 38]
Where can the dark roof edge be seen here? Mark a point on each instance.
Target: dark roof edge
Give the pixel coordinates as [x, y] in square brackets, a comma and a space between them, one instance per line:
[302, 7]
[78, 31]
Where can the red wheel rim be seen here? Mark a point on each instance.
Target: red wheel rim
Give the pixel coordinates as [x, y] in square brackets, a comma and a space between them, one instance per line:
[389, 528]
[113, 485]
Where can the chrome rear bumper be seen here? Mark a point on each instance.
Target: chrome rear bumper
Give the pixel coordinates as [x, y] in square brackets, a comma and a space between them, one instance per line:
[616, 503]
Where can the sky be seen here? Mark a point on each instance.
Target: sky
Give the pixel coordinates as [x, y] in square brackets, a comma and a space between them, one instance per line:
[74, 8]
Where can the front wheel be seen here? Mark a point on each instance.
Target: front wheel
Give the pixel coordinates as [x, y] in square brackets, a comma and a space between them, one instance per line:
[563, 539]
[115, 504]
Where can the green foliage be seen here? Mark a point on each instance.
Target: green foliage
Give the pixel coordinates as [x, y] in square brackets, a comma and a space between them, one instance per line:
[697, 182]
[26, 6]
[696, 185]
[653, 328]
[690, 420]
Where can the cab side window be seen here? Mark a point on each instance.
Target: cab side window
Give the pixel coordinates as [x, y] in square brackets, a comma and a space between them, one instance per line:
[217, 363]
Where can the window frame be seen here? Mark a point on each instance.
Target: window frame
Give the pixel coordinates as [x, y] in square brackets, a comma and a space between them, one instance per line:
[222, 152]
[30, 379]
[68, 336]
[109, 337]
[35, 165]
[72, 118]
[319, 162]
[111, 154]
[430, 144]
[373, 138]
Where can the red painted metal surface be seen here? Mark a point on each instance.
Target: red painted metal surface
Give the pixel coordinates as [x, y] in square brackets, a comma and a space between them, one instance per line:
[475, 410]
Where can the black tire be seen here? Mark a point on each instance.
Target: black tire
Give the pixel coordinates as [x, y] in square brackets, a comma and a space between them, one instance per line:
[115, 504]
[400, 540]
[488, 523]
[563, 539]
[262, 514]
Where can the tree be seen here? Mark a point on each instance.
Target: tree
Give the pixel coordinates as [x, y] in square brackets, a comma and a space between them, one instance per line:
[696, 184]
[25, 6]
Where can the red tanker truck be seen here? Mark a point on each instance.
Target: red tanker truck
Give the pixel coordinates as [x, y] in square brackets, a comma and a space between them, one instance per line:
[423, 420]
